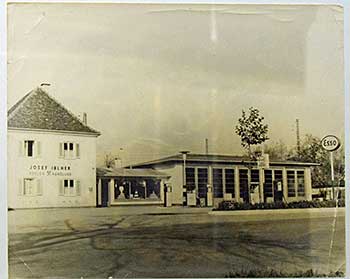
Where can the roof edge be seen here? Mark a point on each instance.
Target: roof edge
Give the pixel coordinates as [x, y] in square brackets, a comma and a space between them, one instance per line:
[95, 134]
[243, 159]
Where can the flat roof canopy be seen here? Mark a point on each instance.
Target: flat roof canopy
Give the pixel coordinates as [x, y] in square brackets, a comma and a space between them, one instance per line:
[220, 159]
[130, 173]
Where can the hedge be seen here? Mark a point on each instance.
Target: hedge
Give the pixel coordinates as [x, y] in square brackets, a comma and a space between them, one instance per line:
[232, 205]
[272, 273]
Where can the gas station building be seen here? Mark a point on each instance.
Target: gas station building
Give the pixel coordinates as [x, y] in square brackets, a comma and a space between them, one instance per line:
[208, 179]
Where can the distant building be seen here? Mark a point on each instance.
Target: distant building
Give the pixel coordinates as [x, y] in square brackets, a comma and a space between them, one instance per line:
[228, 178]
[51, 155]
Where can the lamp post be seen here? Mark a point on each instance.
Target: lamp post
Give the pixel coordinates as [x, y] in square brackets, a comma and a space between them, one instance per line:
[184, 158]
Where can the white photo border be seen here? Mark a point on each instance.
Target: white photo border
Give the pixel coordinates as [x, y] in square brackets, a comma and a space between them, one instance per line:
[3, 99]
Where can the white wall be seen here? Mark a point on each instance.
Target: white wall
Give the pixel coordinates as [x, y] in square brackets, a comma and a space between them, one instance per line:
[175, 171]
[82, 169]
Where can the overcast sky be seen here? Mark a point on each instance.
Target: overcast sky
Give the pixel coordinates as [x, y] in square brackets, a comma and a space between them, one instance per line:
[156, 79]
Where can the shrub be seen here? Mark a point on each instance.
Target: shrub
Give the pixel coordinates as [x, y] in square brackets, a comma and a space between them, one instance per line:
[272, 273]
[232, 205]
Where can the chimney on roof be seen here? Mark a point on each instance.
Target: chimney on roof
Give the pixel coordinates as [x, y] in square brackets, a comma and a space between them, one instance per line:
[85, 118]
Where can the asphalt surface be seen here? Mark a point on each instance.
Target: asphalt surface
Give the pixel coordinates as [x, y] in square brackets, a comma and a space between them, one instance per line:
[171, 242]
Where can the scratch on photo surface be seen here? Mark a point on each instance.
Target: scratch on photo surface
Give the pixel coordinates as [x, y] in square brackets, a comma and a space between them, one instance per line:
[213, 33]
[37, 22]
[24, 263]
[332, 236]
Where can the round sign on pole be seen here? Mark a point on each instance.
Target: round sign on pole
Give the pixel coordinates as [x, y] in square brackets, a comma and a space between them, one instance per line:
[330, 143]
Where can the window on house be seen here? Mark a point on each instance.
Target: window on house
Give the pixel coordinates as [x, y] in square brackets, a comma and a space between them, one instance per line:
[291, 183]
[69, 150]
[30, 187]
[69, 187]
[29, 145]
[29, 148]
[217, 183]
[301, 183]
[230, 181]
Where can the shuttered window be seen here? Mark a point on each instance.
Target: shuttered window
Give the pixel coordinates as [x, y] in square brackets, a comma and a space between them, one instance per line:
[69, 150]
[30, 148]
[30, 187]
[69, 187]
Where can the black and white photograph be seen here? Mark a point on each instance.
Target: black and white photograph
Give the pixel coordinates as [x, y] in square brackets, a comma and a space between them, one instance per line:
[175, 140]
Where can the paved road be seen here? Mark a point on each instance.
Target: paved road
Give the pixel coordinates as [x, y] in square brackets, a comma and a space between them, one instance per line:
[170, 242]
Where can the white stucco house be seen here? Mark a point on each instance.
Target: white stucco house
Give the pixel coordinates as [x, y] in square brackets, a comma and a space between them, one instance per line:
[51, 155]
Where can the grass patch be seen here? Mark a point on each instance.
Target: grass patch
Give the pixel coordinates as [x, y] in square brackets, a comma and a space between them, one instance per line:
[272, 273]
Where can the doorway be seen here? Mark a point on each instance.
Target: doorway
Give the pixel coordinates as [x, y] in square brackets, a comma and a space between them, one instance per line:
[104, 193]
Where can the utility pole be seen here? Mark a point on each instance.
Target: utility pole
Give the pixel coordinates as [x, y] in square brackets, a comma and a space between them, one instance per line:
[298, 136]
[206, 146]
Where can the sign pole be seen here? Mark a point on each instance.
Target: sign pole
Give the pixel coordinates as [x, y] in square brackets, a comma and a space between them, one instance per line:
[332, 174]
[331, 143]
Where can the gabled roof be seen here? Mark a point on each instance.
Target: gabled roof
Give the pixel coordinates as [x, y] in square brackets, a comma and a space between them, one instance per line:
[130, 173]
[215, 158]
[39, 111]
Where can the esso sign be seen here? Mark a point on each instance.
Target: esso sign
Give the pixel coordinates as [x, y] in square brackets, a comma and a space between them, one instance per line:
[330, 143]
